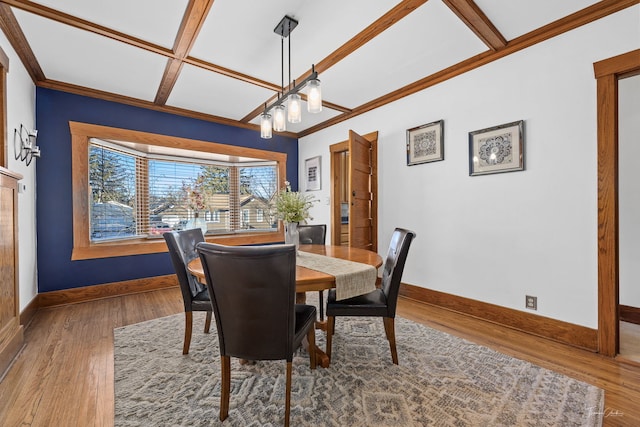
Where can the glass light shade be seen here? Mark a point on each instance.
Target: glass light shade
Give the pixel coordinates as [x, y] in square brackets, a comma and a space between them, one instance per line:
[314, 96]
[265, 126]
[294, 111]
[279, 121]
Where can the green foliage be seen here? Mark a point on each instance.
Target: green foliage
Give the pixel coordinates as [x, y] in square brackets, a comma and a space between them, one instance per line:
[293, 206]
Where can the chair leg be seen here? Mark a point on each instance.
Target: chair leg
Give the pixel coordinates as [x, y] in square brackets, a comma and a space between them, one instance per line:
[389, 329]
[331, 324]
[311, 338]
[321, 304]
[225, 370]
[188, 326]
[287, 405]
[207, 323]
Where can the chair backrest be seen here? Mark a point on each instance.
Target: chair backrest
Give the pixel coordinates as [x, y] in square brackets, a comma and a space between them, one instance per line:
[312, 234]
[182, 249]
[253, 297]
[394, 266]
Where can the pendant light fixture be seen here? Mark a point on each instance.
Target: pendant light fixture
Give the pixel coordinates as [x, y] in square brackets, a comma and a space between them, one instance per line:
[314, 97]
[292, 98]
[265, 126]
[294, 108]
[279, 121]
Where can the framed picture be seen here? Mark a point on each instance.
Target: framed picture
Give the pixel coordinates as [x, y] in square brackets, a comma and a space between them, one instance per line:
[312, 173]
[497, 149]
[425, 143]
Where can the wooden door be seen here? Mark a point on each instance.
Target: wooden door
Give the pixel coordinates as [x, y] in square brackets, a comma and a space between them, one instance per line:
[363, 227]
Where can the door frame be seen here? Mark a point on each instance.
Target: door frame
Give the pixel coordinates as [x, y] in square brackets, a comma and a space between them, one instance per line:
[607, 73]
[335, 150]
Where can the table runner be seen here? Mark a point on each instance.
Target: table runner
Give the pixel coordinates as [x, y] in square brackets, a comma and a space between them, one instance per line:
[352, 278]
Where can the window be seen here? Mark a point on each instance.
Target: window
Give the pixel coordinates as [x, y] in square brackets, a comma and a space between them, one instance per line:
[135, 195]
[259, 215]
[140, 185]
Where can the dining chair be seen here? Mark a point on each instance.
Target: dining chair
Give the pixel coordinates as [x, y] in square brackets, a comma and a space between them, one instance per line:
[315, 234]
[182, 249]
[381, 302]
[253, 295]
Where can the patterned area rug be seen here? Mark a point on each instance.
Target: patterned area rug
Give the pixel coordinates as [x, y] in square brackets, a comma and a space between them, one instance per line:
[441, 381]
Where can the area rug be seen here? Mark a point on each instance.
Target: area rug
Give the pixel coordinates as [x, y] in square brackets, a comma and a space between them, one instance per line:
[441, 381]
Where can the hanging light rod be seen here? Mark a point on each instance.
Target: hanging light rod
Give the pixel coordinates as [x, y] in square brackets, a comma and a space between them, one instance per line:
[294, 113]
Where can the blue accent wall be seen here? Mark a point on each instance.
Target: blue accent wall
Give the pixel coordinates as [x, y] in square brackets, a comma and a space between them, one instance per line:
[54, 111]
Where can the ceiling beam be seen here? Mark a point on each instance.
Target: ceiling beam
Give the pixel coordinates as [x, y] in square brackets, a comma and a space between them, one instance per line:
[230, 73]
[192, 21]
[477, 21]
[108, 96]
[402, 9]
[11, 28]
[582, 17]
[82, 24]
[383, 23]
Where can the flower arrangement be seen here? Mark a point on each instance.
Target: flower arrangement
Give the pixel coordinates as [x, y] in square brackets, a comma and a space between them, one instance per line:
[293, 206]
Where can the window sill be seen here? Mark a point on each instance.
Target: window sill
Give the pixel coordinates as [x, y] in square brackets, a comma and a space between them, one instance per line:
[151, 246]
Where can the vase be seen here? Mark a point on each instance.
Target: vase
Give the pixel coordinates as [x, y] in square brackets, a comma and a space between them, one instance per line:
[197, 222]
[291, 234]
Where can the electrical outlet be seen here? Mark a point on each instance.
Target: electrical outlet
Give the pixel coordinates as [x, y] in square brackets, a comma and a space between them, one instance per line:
[531, 302]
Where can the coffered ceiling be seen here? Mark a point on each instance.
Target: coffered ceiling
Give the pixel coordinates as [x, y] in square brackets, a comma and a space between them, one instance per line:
[220, 60]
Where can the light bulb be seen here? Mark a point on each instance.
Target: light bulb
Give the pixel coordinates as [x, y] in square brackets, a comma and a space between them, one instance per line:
[265, 126]
[314, 96]
[279, 121]
[294, 113]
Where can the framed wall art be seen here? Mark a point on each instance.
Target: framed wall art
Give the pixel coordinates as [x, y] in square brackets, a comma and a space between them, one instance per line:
[425, 143]
[497, 149]
[312, 173]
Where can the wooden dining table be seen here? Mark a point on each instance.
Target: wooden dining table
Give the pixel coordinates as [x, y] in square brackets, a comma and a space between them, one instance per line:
[308, 280]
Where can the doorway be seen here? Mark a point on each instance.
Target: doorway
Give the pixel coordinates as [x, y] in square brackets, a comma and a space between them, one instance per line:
[354, 191]
[608, 73]
[629, 216]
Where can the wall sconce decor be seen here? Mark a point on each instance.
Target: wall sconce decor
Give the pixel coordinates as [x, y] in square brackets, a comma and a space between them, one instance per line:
[27, 140]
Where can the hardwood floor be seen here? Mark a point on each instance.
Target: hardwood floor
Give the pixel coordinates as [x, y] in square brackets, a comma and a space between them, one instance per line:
[64, 375]
[630, 341]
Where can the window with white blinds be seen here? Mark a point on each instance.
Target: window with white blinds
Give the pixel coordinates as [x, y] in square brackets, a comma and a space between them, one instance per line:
[137, 194]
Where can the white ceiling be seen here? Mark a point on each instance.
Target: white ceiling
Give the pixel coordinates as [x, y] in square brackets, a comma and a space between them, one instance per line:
[238, 35]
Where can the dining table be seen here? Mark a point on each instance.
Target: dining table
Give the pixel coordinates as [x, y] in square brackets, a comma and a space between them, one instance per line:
[308, 280]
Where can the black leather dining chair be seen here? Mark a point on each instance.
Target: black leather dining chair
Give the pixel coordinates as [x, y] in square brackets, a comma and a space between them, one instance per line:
[381, 302]
[253, 294]
[182, 249]
[315, 234]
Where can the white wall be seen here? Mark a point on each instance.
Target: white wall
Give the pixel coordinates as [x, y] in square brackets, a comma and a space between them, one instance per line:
[21, 98]
[497, 238]
[629, 189]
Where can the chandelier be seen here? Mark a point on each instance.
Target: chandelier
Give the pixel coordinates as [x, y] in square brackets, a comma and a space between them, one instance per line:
[288, 106]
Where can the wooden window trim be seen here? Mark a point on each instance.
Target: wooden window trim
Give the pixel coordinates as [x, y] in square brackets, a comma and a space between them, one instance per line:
[83, 248]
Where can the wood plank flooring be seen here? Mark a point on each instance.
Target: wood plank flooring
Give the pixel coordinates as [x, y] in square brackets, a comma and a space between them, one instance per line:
[630, 341]
[64, 375]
